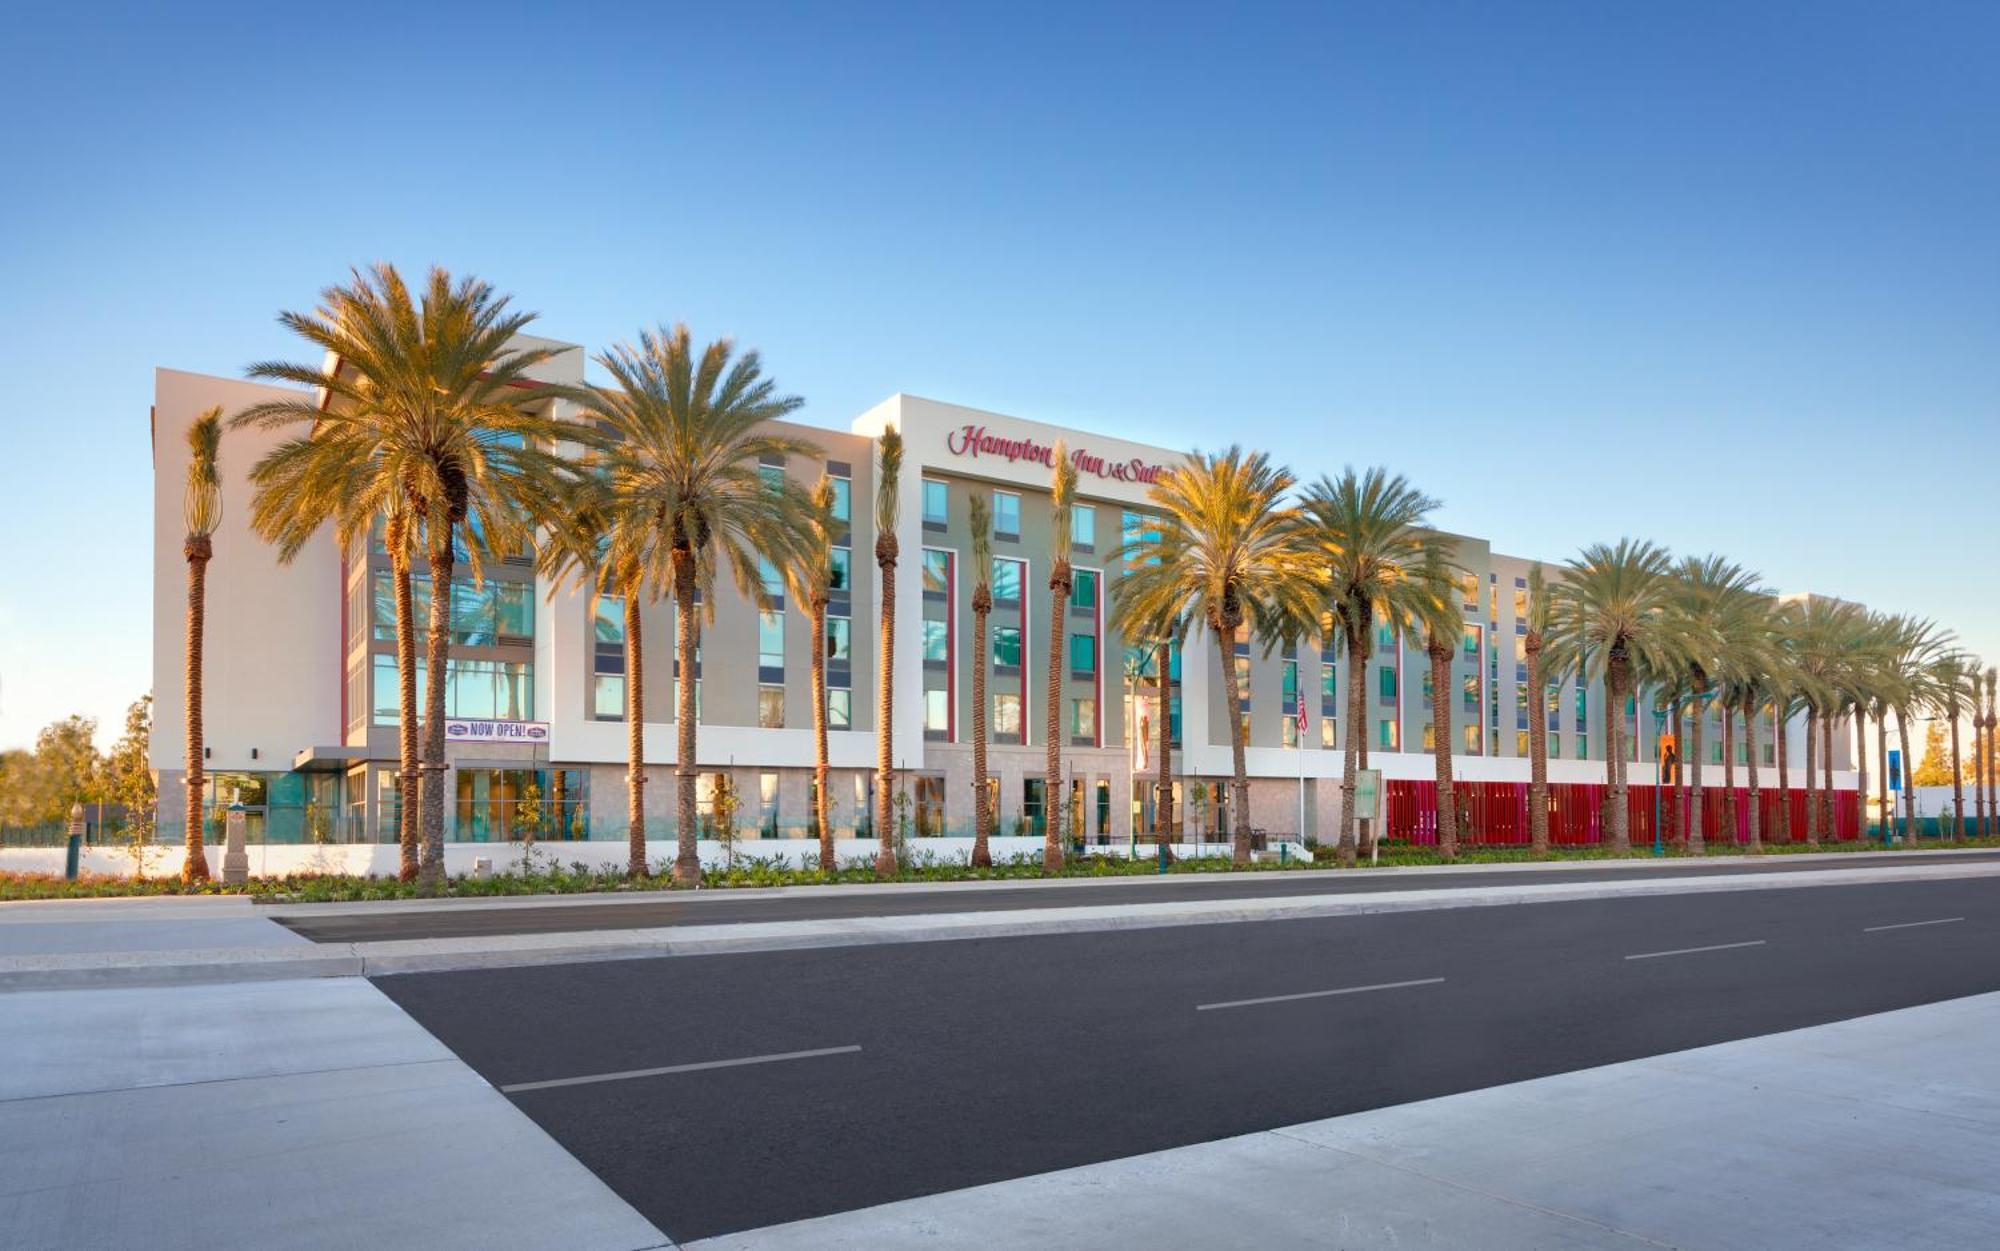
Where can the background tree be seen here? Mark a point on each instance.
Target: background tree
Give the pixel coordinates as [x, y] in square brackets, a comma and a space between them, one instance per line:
[1441, 624]
[1712, 596]
[1364, 533]
[888, 506]
[201, 510]
[813, 582]
[1229, 554]
[128, 781]
[1538, 715]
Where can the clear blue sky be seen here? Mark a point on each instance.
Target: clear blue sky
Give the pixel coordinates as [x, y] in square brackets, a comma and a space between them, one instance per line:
[1726, 276]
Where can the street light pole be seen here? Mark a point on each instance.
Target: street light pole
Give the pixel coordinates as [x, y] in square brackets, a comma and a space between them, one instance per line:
[1659, 777]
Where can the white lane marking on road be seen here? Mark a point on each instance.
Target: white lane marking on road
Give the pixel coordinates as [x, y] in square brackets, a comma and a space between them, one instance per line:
[1874, 929]
[677, 1068]
[1689, 951]
[1316, 994]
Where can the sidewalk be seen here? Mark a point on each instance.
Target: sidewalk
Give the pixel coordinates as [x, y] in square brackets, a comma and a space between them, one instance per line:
[66, 944]
[1880, 1132]
[308, 1114]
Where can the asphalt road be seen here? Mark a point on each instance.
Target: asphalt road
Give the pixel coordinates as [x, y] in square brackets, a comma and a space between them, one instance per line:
[723, 907]
[934, 1066]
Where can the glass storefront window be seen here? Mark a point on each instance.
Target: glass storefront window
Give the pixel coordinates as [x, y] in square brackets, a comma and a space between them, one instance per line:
[840, 561]
[511, 805]
[839, 640]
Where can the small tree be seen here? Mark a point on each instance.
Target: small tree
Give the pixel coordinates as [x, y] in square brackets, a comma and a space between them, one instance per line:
[726, 805]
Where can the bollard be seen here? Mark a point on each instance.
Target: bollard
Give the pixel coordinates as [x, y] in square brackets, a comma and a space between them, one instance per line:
[72, 858]
[482, 869]
[1163, 856]
[235, 857]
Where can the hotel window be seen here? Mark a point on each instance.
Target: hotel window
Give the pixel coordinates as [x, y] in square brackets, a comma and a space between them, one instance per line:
[1083, 720]
[1031, 805]
[1472, 738]
[1387, 736]
[1553, 748]
[1520, 742]
[1006, 515]
[1582, 707]
[1083, 589]
[771, 707]
[839, 640]
[839, 709]
[607, 682]
[1520, 601]
[1007, 645]
[1288, 736]
[1083, 526]
[1521, 705]
[1472, 640]
[1289, 687]
[937, 642]
[767, 804]
[1243, 682]
[1130, 527]
[937, 503]
[1430, 736]
[770, 640]
[1386, 684]
[937, 572]
[1428, 687]
[477, 690]
[1385, 637]
[770, 579]
[927, 810]
[839, 560]
[1472, 692]
[1582, 747]
[1006, 581]
[937, 712]
[1471, 585]
[1007, 714]
[1326, 731]
[1083, 655]
[773, 476]
[843, 494]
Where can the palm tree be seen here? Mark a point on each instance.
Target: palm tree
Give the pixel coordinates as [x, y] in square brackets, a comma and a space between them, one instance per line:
[1954, 675]
[1611, 610]
[201, 509]
[1749, 660]
[1062, 501]
[1365, 533]
[980, 509]
[1228, 552]
[331, 477]
[1911, 652]
[678, 484]
[888, 497]
[1712, 596]
[1992, 799]
[431, 389]
[815, 574]
[1533, 646]
[609, 551]
[1443, 625]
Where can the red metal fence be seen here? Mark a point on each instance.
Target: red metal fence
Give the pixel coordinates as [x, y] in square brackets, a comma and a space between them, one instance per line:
[1499, 813]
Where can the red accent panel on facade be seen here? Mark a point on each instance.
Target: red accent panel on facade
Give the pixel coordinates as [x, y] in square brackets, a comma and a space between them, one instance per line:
[1498, 813]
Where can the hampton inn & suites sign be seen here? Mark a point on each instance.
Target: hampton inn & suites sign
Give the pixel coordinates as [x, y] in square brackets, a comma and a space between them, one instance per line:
[973, 442]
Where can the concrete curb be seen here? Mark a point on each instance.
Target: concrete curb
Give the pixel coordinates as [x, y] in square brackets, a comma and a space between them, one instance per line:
[170, 968]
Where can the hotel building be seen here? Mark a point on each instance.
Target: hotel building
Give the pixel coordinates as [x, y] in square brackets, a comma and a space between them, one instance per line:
[301, 693]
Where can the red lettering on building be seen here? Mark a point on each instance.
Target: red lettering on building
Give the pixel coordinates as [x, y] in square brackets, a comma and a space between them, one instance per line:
[975, 442]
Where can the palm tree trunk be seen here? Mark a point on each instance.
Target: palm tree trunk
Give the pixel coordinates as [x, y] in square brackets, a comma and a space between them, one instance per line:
[982, 812]
[1055, 830]
[1832, 831]
[1225, 642]
[1784, 831]
[1909, 830]
[1755, 818]
[437, 653]
[1164, 810]
[1357, 708]
[1695, 843]
[635, 734]
[1812, 777]
[1617, 826]
[687, 851]
[822, 770]
[1957, 783]
[1447, 806]
[886, 550]
[1538, 750]
[1728, 773]
[1882, 812]
[409, 787]
[194, 868]
[1861, 769]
